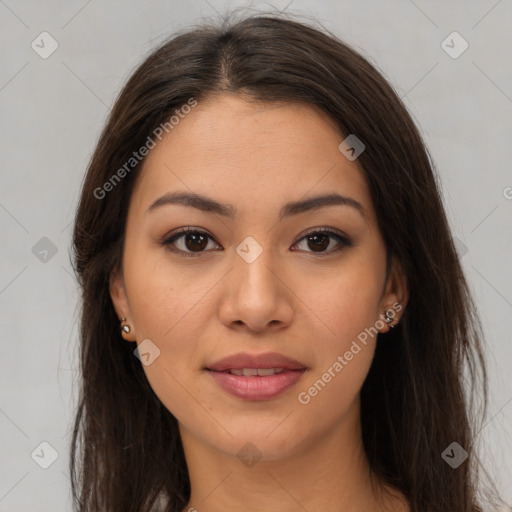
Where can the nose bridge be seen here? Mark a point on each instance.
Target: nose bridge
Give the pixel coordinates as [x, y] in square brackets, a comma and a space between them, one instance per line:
[254, 269]
[257, 295]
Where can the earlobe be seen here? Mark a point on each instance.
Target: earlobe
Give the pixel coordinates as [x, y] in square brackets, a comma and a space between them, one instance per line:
[120, 303]
[126, 330]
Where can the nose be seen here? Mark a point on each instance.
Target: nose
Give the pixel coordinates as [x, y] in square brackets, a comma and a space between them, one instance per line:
[256, 295]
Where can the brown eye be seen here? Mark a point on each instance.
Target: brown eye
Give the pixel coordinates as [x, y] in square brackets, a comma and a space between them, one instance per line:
[318, 241]
[193, 242]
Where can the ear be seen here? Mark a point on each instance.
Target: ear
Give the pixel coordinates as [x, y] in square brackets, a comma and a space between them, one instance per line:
[396, 294]
[120, 301]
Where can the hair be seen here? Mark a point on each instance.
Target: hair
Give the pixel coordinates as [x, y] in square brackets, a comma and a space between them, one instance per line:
[428, 378]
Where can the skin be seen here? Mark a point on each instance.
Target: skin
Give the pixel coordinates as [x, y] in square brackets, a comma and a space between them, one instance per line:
[306, 303]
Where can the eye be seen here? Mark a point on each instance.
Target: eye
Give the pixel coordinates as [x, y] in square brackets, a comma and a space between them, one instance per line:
[318, 240]
[194, 241]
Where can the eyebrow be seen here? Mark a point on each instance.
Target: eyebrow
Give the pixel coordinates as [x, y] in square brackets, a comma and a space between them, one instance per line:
[207, 204]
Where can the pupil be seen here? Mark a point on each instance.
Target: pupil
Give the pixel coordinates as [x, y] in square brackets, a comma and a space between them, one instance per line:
[194, 237]
[325, 239]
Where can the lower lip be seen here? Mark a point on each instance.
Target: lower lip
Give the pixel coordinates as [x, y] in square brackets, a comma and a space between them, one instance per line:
[255, 387]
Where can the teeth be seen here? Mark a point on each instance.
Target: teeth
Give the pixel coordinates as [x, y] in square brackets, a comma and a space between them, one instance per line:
[261, 372]
[266, 371]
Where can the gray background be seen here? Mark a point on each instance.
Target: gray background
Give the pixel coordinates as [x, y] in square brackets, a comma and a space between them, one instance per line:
[52, 111]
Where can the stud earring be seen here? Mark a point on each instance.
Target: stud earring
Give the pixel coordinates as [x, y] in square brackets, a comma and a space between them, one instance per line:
[388, 319]
[124, 326]
[125, 329]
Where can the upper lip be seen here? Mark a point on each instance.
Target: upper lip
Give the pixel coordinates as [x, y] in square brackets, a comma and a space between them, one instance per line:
[265, 360]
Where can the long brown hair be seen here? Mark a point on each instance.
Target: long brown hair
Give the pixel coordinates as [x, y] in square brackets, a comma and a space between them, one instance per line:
[126, 451]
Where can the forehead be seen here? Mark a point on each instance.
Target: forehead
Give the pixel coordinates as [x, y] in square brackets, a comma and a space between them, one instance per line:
[251, 154]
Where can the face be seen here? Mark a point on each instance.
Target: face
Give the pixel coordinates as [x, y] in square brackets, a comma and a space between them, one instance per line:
[255, 276]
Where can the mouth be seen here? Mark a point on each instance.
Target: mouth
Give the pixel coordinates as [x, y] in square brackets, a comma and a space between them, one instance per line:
[253, 372]
[256, 377]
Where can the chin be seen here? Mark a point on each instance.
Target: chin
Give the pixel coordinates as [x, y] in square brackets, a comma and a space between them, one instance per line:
[256, 442]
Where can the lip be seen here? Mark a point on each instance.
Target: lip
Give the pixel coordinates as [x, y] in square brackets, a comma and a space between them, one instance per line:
[256, 387]
[265, 360]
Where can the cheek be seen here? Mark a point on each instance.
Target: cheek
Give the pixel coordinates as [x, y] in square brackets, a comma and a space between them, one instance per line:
[163, 295]
[164, 309]
[343, 305]
[345, 314]
[343, 360]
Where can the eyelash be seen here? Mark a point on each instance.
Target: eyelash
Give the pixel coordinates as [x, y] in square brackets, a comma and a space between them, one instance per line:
[168, 241]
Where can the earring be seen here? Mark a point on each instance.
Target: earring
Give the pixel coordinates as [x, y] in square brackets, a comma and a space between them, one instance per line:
[125, 328]
[388, 319]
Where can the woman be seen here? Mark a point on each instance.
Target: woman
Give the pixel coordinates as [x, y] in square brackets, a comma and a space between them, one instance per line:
[261, 223]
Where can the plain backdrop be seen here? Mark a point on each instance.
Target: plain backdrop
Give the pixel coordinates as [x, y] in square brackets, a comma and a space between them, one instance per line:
[52, 110]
